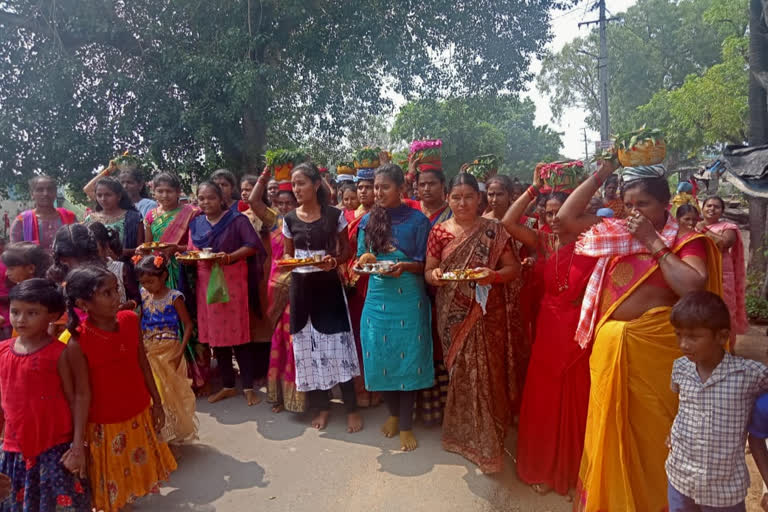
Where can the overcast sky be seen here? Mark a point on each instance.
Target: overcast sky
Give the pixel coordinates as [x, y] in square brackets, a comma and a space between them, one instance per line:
[565, 28]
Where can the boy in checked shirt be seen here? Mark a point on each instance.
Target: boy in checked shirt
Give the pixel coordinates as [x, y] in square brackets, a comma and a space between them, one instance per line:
[706, 468]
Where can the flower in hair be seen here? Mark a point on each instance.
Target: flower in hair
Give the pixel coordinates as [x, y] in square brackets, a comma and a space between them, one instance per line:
[136, 259]
[158, 261]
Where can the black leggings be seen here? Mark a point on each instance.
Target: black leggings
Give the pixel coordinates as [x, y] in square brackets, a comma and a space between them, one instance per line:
[246, 361]
[400, 405]
[321, 399]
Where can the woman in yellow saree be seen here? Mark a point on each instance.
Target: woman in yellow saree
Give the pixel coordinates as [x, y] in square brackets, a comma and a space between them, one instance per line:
[646, 262]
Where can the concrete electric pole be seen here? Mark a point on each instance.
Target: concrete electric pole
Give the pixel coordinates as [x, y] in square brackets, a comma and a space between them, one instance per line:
[602, 70]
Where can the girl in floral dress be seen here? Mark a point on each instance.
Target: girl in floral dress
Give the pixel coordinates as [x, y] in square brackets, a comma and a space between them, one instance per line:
[126, 460]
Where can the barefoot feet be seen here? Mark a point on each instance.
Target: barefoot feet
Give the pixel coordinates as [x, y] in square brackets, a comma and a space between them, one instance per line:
[252, 397]
[541, 489]
[354, 422]
[391, 427]
[222, 395]
[320, 421]
[408, 442]
[278, 408]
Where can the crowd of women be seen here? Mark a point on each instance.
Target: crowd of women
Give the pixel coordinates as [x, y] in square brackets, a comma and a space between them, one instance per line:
[565, 328]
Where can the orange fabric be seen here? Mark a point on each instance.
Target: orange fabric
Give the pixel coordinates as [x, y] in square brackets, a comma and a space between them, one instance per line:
[631, 406]
[126, 461]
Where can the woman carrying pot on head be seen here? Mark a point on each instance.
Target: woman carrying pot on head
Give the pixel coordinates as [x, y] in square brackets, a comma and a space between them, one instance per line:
[554, 404]
[646, 262]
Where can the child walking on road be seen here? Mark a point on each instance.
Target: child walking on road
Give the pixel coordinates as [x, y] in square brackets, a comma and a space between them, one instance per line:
[717, 392]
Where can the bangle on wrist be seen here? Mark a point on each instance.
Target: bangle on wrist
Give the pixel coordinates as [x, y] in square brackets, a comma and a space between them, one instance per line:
[533, 192]
[598, 179]
[659, 255]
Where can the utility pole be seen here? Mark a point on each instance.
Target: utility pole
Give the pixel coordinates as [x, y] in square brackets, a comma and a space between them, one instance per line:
[586, 147]
[602, 74]
[602, 69]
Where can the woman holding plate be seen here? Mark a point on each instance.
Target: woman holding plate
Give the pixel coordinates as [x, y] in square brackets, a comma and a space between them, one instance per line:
[323, 343]
[395, 329]
[477, 326]
[239, 253]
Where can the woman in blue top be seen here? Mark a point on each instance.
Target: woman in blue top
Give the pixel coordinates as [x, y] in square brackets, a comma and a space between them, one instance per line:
[395, 330]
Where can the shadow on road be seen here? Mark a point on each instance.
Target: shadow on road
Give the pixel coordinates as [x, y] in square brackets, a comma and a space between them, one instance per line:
[223, 474]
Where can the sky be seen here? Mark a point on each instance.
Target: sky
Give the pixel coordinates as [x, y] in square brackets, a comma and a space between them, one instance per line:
[565, 28]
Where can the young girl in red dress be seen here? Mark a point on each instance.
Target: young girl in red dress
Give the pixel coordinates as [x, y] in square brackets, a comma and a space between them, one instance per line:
[125, 460]
[45, 397]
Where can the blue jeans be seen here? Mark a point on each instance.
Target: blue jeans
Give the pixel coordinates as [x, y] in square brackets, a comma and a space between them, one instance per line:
[679, 502]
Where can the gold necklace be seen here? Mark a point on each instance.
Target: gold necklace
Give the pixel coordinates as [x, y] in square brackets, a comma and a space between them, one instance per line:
[561, 287]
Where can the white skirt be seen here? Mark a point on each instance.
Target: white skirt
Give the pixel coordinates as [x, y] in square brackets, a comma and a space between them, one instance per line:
[323, 360]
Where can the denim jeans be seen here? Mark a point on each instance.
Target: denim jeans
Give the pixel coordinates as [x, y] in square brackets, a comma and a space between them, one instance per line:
[679, 502]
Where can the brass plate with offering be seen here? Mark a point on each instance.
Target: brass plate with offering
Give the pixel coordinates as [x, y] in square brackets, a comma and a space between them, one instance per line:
[205, 254]
[151, 246]
[467, 274]
[378, 267]
[297, 262]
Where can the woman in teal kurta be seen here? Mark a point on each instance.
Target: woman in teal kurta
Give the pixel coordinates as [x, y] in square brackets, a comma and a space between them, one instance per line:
[395, 329]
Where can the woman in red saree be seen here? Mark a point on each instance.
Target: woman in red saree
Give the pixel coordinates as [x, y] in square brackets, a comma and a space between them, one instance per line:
[645, 263]
[553, 414]
[477, 327]
[727, 237]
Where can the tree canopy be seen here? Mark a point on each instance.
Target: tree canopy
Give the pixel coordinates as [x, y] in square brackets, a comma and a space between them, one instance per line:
[469, 127]
[197, 84]
[660, 47]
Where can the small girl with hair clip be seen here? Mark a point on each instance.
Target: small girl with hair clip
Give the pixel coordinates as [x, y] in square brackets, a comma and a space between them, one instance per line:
[110, 248]
[163, 314]
[126, 460]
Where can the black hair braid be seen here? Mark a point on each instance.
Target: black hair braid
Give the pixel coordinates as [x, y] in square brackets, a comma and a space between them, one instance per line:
[378, 231]
[81, 284]
[107, 237]
[72, 241]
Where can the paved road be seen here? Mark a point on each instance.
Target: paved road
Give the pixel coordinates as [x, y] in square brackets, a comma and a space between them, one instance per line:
[252, 459]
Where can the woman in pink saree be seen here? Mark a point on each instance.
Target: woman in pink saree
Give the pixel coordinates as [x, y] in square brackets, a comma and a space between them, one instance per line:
[727, 237]
[281, 379]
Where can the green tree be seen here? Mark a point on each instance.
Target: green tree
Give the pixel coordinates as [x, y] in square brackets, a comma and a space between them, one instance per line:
[468, 127]
[708, 109]
[195, 84]
[655, 48]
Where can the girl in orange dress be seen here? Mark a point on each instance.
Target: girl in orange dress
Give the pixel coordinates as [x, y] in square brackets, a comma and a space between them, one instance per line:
[125, 460]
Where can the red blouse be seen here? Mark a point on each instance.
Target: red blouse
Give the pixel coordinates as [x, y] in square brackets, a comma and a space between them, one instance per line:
[37, 415]
[439, 237]
[118, 390]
